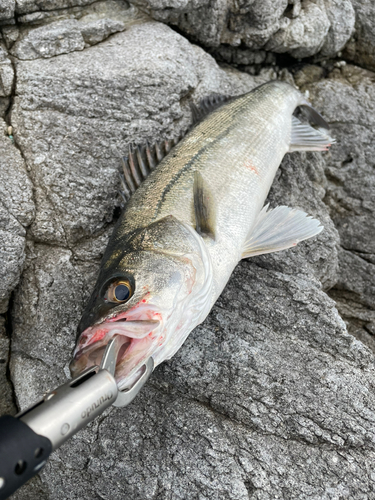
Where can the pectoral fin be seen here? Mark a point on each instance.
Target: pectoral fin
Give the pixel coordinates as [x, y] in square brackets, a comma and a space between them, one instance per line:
[306, 138]
[278, 229]
[203, 208]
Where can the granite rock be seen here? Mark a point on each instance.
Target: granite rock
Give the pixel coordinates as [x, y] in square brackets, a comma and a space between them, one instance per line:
[347, 98]
[69, 30]
[6, 74]
[7, 9]
[60, 37]
[304, 35]
[25, 6]
[10, 35]
[341, 16]
[46, 34]
[16, 213]
[361, 47]
[7, 405]
[300, 28]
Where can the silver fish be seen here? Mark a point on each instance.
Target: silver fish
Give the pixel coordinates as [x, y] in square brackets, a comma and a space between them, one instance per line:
[190, 222]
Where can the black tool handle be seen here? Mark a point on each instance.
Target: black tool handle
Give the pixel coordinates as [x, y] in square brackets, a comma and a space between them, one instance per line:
[23, 453]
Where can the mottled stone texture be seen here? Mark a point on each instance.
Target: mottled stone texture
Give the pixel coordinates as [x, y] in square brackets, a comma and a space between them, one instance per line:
[301, 28]
[7, 405]
[16, 213]
[273, 396]
[348, 98]
[361, 48]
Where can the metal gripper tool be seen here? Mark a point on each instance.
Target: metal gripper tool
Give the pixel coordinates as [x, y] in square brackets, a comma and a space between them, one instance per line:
[27, 440]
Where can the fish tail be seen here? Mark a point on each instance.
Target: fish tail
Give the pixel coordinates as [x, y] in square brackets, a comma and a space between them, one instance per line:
[304, 137]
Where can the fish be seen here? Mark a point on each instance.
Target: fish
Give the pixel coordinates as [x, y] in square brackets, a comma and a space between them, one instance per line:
[189, 220]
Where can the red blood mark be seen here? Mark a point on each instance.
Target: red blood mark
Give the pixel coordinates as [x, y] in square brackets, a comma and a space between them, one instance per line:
[251, 167]
[99, 335]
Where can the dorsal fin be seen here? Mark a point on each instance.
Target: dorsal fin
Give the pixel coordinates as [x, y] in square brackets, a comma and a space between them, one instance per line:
[207, 105]
[140, 162]
[203, 207]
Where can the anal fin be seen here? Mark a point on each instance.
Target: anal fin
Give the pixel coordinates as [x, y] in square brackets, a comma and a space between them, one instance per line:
[203, 208]
[306, 138]
[279, 229]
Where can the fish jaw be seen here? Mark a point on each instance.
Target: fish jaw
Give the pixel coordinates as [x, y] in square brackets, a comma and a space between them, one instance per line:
[136, 340]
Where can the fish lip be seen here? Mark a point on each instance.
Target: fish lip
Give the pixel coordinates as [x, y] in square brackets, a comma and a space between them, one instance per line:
[90, 345]
[89, 350]
[114, 327]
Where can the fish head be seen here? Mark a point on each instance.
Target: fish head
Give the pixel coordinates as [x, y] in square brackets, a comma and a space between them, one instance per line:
[148, 294]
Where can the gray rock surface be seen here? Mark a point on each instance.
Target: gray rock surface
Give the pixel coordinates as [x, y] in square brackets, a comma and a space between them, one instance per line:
[16, 213]
[348, 100]
[273, 396]
[51, 33]
[50, 40]
[361, 48]
[7, 405]
[6, 74]
[25, 6]
[7, 10]
[341, 16]
[301, 28]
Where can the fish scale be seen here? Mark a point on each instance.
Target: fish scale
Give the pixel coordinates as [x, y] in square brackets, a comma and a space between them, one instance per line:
[193, 218]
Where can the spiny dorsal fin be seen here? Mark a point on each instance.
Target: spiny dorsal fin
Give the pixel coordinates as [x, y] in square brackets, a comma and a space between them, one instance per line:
[207, 105]
[140, 162]
[203, 208]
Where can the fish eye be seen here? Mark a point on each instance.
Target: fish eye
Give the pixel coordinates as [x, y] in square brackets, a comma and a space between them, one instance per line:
[119, 291]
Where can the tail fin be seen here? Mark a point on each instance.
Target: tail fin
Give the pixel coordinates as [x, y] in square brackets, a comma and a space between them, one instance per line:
[306, 138]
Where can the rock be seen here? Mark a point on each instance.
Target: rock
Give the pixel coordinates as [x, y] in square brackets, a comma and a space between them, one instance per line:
[7, 9]
[51, 40]
[16, 213]
[25, 6]
[6, 402]
[95, 103]
[302, 30]
[6, 74]
[304, 36]
[99, 30]
[69, 30]
[347, 99]
[341, 16]
[4, 106]
[10, 35]
[52, 286]
[361, 48]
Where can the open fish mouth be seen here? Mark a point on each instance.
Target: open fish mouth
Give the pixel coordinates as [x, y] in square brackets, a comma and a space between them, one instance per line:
[135, 340]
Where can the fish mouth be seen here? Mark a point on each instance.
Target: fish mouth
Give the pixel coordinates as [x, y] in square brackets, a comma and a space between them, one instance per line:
[134, 344]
